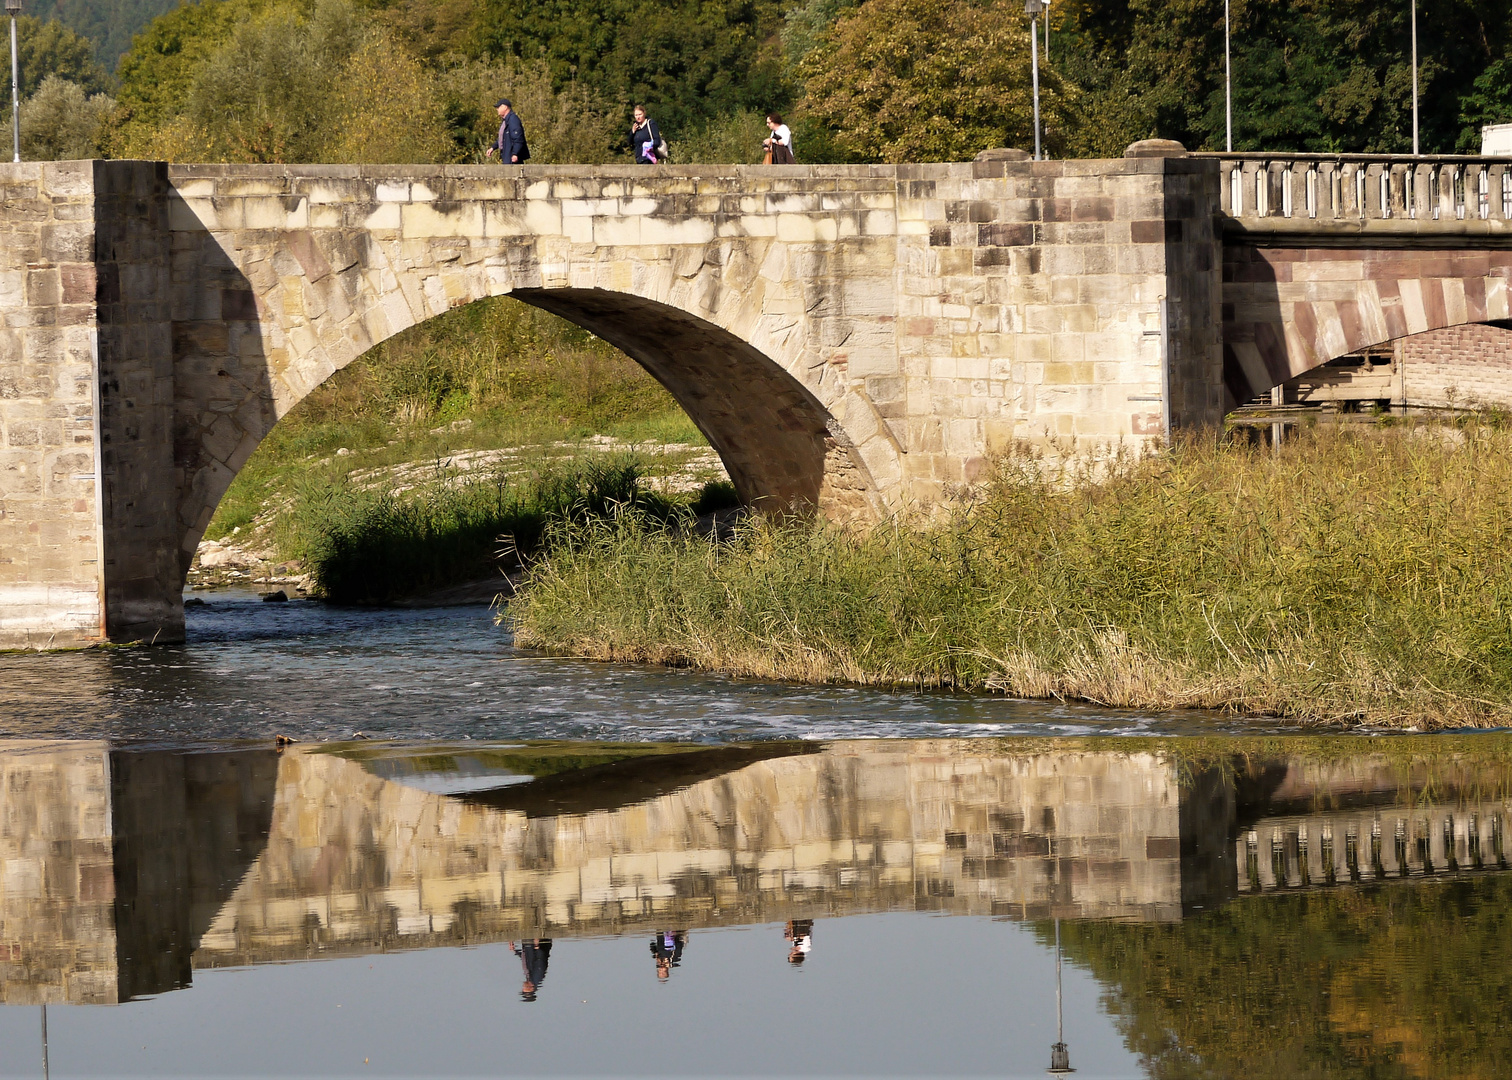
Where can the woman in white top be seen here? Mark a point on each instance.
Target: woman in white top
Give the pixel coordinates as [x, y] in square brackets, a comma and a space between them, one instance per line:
[779, 144]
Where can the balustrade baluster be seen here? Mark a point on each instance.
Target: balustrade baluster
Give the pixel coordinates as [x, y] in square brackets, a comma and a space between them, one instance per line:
[1358, 181]
[1253, 190]
[1275, 188]
[1265, 859]
[1496, 181]
[1482, 187]
[1226, 188]
[1422, 192]
[1328, 190]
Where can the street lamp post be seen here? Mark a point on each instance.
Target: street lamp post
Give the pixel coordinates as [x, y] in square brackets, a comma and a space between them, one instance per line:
[1032, 8]
[1228, 85]
[1414, 81]
[13, 7]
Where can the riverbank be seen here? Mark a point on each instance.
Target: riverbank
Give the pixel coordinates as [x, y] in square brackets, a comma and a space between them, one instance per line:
[1358, 577]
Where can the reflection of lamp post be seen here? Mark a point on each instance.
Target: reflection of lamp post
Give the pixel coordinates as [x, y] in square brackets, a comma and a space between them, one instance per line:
[13, 7]
[1060, 1058]
[44, 1042]
[1032, 8]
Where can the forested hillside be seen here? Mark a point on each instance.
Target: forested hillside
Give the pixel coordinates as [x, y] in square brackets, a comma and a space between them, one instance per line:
[108, 24]
[860, 80]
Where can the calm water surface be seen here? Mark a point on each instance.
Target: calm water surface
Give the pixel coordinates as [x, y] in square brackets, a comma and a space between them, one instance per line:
[551, 868]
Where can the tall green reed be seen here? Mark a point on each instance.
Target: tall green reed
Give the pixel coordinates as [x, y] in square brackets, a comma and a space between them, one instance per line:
[1357, 575]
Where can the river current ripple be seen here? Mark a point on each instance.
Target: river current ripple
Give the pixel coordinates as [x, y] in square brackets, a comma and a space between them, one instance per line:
[252, 669]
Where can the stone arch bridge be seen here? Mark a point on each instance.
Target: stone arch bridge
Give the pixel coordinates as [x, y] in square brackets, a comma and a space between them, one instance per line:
[856, 339]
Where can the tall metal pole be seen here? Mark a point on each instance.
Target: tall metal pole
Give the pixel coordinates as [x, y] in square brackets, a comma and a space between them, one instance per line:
[1034, 61]
[1047, 31]
[1228, 84]
[1414, 81]
[14, 6]
[44, 1043]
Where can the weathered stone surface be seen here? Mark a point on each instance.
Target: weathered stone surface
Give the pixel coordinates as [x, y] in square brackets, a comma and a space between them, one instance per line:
[852, 339]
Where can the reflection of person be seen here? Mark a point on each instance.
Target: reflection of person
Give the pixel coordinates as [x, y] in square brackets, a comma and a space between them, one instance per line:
[510, 143]
[534, 956]
[801, 933]
[666, 950]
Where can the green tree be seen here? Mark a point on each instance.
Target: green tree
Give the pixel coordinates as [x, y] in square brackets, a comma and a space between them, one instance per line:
[1308, 75]
[686, 60]
[61, 122]
[922, 80]
[566, 125]
[158, 74]
[108, 24]
[50, 48]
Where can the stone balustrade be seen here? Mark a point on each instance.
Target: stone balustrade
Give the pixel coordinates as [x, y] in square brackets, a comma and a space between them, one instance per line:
[1380, 192]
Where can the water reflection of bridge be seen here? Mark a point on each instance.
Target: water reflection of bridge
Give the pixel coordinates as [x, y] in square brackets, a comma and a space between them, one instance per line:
[121, 871]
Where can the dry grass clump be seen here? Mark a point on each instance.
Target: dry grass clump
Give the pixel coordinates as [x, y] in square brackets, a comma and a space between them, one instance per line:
[1359, 576]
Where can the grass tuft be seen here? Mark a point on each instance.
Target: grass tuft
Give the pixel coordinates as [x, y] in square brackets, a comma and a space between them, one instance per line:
[1358, 576]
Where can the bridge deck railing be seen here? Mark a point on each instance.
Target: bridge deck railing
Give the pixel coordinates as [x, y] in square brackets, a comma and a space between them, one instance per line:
[1350, 188]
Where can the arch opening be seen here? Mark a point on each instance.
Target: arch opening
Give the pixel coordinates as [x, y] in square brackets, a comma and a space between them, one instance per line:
[783, 451]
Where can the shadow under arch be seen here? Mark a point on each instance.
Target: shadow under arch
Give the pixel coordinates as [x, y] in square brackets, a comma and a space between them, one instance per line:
[1288, 310]
[782, 448]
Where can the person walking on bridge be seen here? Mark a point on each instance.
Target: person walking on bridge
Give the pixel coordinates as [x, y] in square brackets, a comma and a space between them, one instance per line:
[779, 145]
[646, 139]
[510, 143]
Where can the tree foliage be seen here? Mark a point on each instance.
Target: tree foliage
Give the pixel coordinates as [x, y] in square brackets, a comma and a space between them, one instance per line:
[50, 48]
[108, 24]
[686, 60]
[62, 122]
[918, 80]
[1308, 75]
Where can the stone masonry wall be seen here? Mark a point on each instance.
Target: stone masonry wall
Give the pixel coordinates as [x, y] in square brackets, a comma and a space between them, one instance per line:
[142, 576]
[874, 329]
[49, 522]
[1462, 365]
[856, 339]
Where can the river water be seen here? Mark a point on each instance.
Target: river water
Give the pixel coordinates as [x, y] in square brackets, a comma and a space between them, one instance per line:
[545, 867]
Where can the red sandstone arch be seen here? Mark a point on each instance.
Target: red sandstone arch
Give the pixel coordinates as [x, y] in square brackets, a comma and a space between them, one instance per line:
[1287, 310]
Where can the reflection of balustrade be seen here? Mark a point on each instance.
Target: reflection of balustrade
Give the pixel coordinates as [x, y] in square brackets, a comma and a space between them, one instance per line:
[1333, 848]
[1442, 193]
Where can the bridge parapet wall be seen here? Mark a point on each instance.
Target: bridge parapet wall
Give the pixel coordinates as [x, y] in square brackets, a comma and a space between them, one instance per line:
[1366, 194]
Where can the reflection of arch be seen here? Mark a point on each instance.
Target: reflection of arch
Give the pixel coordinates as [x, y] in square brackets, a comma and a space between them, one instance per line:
[1289, 310]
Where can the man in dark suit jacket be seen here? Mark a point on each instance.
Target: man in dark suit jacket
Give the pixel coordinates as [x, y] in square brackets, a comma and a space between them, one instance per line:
[511, 141]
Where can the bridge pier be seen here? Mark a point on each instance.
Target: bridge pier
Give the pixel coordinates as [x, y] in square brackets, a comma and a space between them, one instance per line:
[856, 340]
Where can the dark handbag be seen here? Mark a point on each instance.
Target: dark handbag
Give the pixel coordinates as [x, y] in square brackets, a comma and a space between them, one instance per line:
[782, 154]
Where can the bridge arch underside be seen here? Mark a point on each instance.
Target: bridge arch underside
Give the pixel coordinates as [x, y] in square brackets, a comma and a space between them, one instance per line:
[1288, 310]
[783, 450]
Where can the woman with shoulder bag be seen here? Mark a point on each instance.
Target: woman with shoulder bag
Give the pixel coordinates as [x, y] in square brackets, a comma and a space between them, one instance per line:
[646, 140]
[779, 145]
